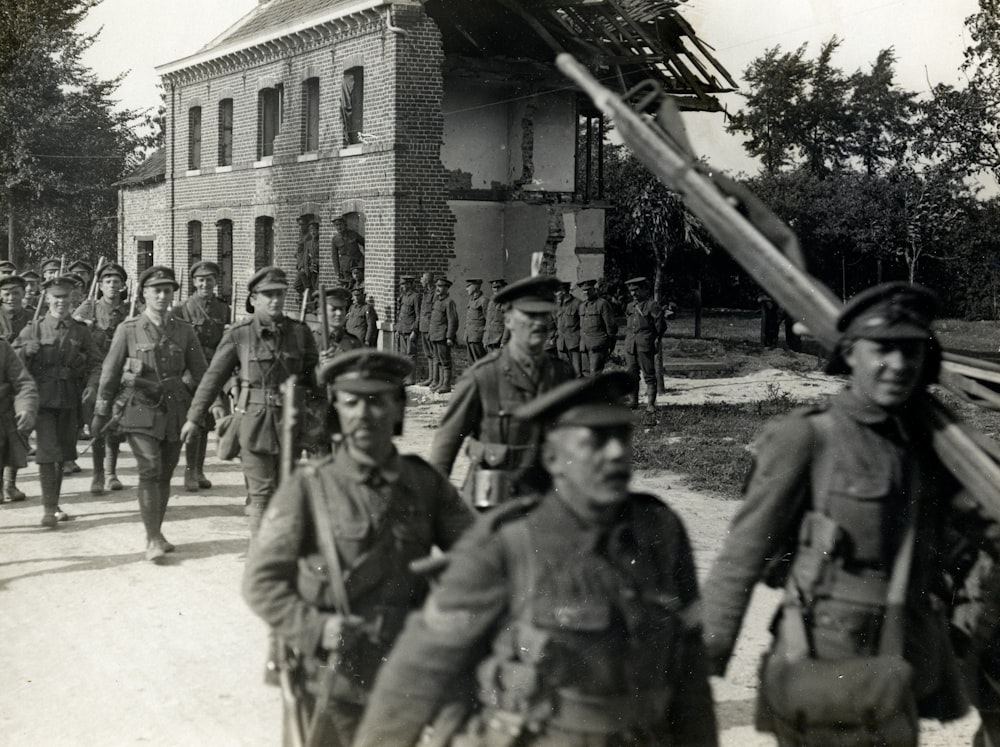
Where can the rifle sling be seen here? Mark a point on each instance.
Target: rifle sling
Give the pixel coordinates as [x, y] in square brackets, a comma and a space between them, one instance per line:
[327, 544]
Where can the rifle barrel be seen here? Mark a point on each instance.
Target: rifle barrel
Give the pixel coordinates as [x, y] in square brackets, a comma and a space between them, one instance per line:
[324, 318]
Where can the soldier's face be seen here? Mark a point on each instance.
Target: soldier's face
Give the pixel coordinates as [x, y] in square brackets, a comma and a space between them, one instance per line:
[314, 231]
[369, 420]
[590, 467]
[205, 285]
[886, 373]
[158, 298]
[335, 316]
[637, 292]
[425, 280]
[271, 303]
[49, 274]
[60, 305]
[111, 286]
[528, 329]
[12, 298]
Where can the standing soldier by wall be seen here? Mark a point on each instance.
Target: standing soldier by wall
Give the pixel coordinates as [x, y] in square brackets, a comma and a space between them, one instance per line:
[144, 374]
[362, 319]
[496, 333]
[208, 315]
[442, 332]
[598, 328]
[408, 323]
[500, 446]
[266, 348]
[426, 308]
[307, 260]
[568, 328]
[475, 319]
[60, 354]
[347, 249]
[572, 613]
[13, 318]
[644, 326]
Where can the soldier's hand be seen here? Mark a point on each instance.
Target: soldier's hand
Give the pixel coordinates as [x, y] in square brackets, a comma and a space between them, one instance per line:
[189, 430]
[30, 347]
[218, 412]
[89, 395]
[25, 421]
[98, 424]
[340, 632]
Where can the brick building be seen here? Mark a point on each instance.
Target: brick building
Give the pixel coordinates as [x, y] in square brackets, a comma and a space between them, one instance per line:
[439, 131]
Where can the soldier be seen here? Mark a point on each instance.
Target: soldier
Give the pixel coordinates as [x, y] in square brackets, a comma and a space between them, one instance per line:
[572, 612]
[347, 249]
[427, 291]
[442, 331]
[7, 268]
[307, 260]
[644, 326]
[143, 385]
[408, 322]
[51, 268]
[500, 447]
[496, 333]
[18, 411]
[84, 270]
[338, 300]
[104, 315]
[13, 318]
[209, 315]
[32, 280]
[475, 319]
[380, 510]
[568, 328]
[61, 355]
[267, 348]
[362, 319]
[598, 328]
[849, 492]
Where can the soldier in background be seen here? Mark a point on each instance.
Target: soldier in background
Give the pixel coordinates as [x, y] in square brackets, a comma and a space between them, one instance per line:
[382, 510]
[84, 270]
[60, 354]
[307, 260]
[427, 290]
[496, 333]
[442, 332]
[13, 318]
[145, 374]
[266, 348]
[500, 446]
[209, 315]
[598, 328]
[7, 268]
[338, 300]
[18, 411]
[362, 318]
[572, 613]
[408, 322]
[568, 328]
[32, 281]
[475, 319]
[644, 326]
[50, 269]
[347, 249]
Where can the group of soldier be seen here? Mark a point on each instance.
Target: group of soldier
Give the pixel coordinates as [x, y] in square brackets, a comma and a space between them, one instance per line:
[566, 610]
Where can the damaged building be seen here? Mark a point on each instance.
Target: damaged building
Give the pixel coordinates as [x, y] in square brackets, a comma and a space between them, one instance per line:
[439, 131]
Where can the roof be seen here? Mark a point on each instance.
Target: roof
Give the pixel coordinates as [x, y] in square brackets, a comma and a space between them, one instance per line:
[275, 15]
[153, 169]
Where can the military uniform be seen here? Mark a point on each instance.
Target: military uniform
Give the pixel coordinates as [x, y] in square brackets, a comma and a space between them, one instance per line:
[598, 329]
[424, 327]
[568, 329]
[408, 322]
[362, 319]
[475, 321]
[12, 321]
[18, 394]
[495, 334]
[644, 326]
[570, 628]
[442, 330]
[265, 354]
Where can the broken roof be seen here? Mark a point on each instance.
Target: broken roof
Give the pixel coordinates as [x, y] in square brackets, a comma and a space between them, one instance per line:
[153, 169]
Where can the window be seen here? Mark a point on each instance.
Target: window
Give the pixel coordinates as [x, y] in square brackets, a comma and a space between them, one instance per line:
[194, 138]
[352, 104]
[224, 237]
[589, 155]
[310, 115]
[144, 255]
[269, 106]
[226, 132]
[263, 252]
[194, 242]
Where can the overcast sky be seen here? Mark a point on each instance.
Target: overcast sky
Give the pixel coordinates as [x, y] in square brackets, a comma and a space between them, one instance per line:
[928, 36]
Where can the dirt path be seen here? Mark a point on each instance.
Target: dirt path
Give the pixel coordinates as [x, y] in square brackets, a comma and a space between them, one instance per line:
[99, 647]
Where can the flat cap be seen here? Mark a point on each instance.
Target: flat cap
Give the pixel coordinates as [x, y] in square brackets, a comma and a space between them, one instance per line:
[338, 296]
[586, 284]
[443, 281]
[158, 275]
[8, 267]
[499, 281]
[358, 289]
[113, 268]
[594, 403]
[268, 278]
[205, 267]
[60, 285]
[81, 264]
[407, 279]
[474, 281]
[50, 264]
[76, 279]
[31, 276]
[640, 280]
[10, 281]
[530, 294]
[364, 371]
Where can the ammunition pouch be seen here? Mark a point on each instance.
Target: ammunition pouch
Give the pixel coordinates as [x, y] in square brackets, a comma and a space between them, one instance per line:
[491, 487]
[495, 469]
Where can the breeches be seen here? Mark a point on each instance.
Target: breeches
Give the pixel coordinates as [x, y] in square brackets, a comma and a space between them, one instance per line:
[598, 358]
[642, 361]
[261, 473]
[56, 430]
[155, 459]
[442, 353]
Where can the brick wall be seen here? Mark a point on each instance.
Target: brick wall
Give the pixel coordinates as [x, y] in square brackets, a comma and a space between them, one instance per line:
[142, 214]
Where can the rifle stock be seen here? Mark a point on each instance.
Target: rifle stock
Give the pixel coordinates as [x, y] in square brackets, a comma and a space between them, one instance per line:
[324, 318]
[752, 235]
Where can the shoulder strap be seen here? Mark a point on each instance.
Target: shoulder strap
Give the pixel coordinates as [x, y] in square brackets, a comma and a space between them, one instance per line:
[327, 543]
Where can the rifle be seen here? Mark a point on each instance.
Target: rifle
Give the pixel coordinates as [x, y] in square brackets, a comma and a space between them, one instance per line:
[305, 302]
[132, 292]
[768, 250]
[324, 318]
[232, 302]
[92, 293]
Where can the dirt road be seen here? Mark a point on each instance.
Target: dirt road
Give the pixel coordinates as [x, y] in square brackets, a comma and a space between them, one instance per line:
[99, 647]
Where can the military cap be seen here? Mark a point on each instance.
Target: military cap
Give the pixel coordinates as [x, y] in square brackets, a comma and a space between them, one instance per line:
[31, 276]
[358, 289]
[530, 294]
[51, 264]
[586, 284]
[9, 267]
[81, 264]
[60, 285]
[443, 281]
[12, 280]
[364, 371]
[407, 279]
[158, 275]
[565, 286]
[268, 278]
[636, 281]
[498, 283]
[205, 268]
[474, 281]
[594, 402]
[76, 279]
[338, 296]
[313, 223]
[113, 268]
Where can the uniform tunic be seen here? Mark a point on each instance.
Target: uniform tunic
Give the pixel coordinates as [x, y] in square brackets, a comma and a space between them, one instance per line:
[496, 333]
[209, 317]
[443, 320]
[18, 393]
[408, 316]
[644, 326]
[361, 322]
[558, 616]
[568, 325]
[475, 318]
[12, 322]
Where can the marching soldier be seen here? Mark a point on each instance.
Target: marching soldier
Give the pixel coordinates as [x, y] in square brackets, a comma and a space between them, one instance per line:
[209, 315]
[266, 347]
[427, 291]
[598, 328]
[568, 328]
[84, 270]
[144, 378]
[50, 269]
[496, 333]
[442, 331]
[329, 568]
[572, 612]
[644, 326]
[854, 495]
[475, 319]
[408, 322]
[18, 411]
[361, 318]
[60, 354]
[338, 300]
[13, 318]
[501, 446]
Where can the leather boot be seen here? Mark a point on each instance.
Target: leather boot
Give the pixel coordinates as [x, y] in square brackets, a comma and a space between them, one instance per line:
[435, 376]
[48, 478]
[426, 381]
[111, 464]
[149, 510]
[98, 453]
[191, 462]
[10, 490]
[650, 397]
[60, 471]
[445, 386]
[163, 492]
[633, 394]
[203, 482]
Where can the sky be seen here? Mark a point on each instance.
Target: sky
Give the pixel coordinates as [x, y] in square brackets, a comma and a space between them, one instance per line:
[927, 35]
